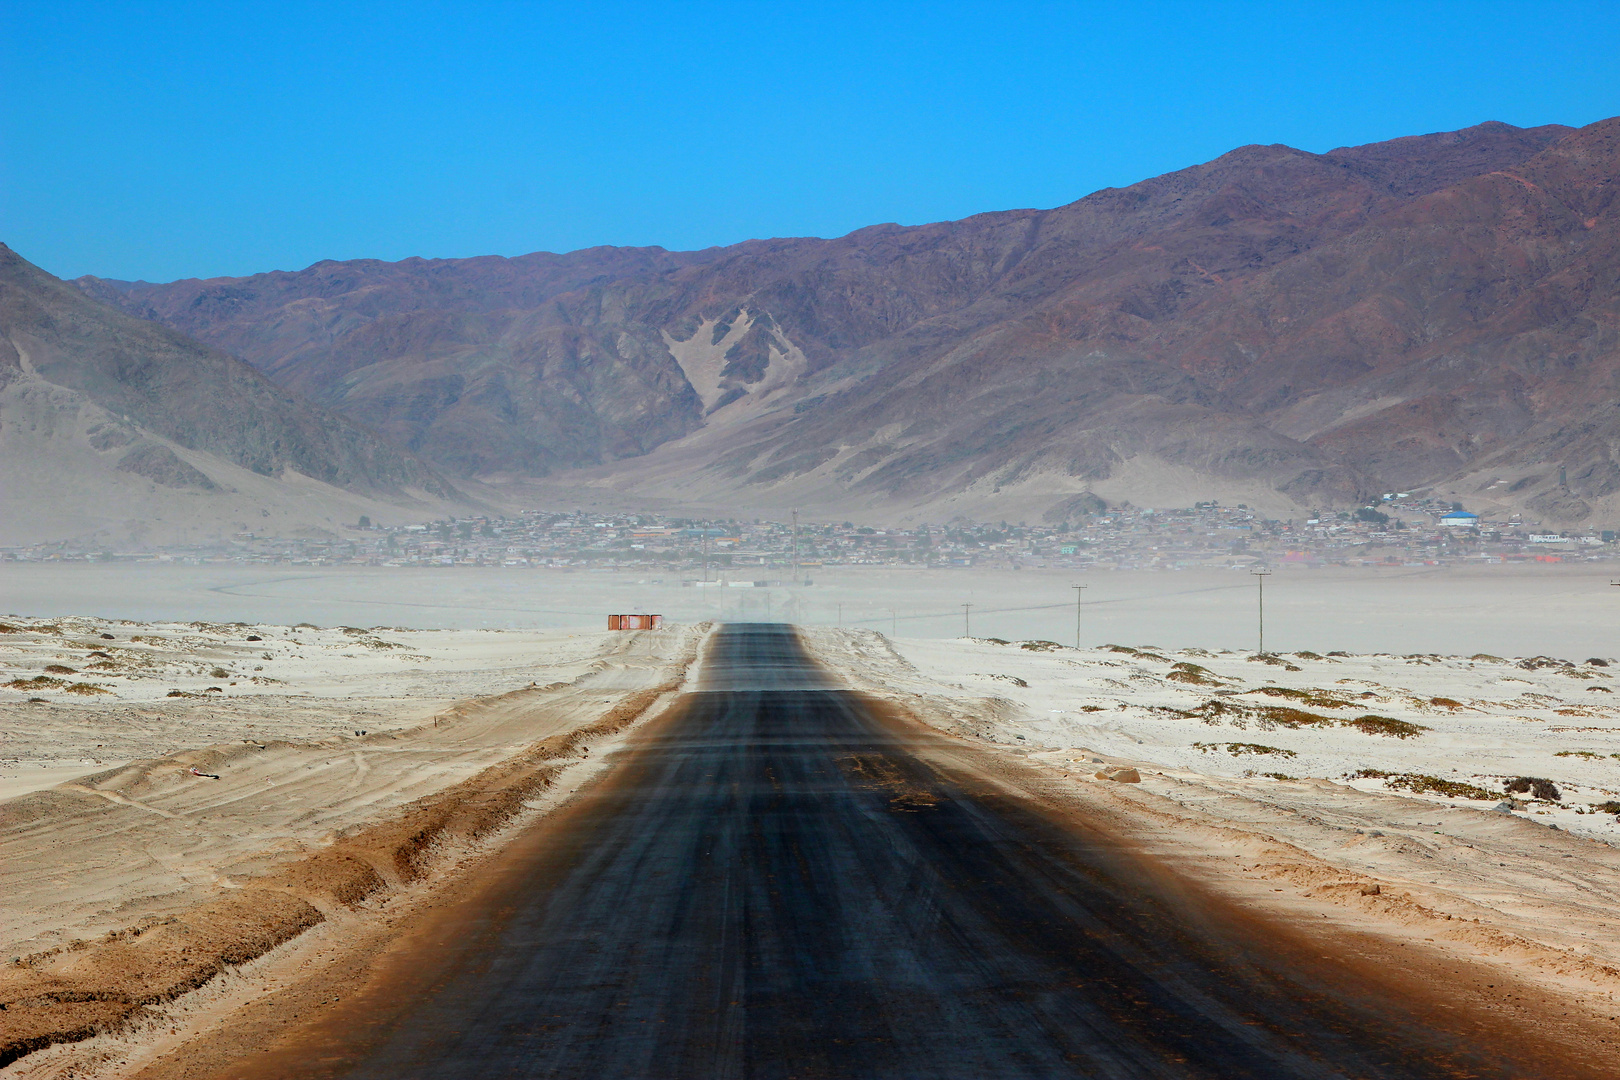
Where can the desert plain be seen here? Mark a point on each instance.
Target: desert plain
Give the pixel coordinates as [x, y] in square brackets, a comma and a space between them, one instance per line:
[221, 789]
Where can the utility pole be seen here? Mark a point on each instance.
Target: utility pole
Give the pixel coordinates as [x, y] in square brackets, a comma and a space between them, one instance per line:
[1260, 580]
[894, 625]
[1079, 591]
[967, 610]
[705, 554]
[795, 546]
[840, 616]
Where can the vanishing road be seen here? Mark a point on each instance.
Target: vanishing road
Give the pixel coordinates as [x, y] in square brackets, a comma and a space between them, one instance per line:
[777, 882]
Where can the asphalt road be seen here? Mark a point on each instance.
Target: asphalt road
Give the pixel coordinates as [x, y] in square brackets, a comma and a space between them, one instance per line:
[774, 885]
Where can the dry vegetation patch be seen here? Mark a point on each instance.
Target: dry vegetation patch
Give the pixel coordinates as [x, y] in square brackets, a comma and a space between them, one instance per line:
[1385, 725]
[1193, 674]
[1240, 748]
[1423, 784]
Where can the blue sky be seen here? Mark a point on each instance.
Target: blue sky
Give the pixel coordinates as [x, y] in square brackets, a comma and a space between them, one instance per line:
[165, 140]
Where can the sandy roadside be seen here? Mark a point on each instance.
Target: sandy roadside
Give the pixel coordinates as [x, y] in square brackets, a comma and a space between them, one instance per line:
[130, 887]
[1450, 876]
[1443, 873]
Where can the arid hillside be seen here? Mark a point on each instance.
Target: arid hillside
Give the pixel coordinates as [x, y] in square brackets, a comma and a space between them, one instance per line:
[113, 428]
[1291, 328]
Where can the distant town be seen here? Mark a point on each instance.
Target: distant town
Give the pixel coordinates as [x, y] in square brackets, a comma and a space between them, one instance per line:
[1399, 530]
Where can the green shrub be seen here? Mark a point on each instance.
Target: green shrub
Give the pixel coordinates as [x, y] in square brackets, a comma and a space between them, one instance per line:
[1538, 786]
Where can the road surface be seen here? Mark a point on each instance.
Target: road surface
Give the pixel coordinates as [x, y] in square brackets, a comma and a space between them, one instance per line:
[774, 884]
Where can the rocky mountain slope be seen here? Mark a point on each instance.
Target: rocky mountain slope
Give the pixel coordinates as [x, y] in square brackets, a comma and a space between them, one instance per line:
[116, 428]
[1285, 328]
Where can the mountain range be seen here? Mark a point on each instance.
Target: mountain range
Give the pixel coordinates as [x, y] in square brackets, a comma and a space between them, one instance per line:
[114, 428]
[1288, 329]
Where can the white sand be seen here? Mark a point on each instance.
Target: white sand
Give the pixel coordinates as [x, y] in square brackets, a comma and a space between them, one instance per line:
[1514, 718]
[313, 733]
[106, 849]
[152, 689]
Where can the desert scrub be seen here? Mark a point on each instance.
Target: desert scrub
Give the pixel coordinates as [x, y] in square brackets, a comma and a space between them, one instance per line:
[1316, 699]
[219, 673]
[38, 682]
[1237, 749]
[1384, 725]
[1196, 674]
[87, 689]
[1215, 711]
[1445, 703]
[1285, 716]
[1278, 776]
[1015, 680]
[1610, 807]
[1487, 658]
[1039, 646]
[1274, 661]
[1308, 655]
[1578, 753]
[1421, 784]
[60, 669]
[1538, 786]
